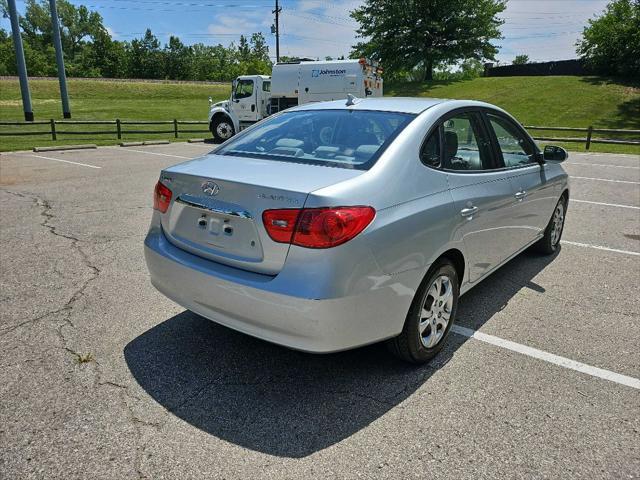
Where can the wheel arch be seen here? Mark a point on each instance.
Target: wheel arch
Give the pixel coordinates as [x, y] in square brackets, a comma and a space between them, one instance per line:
[218, 115]
[456, 257]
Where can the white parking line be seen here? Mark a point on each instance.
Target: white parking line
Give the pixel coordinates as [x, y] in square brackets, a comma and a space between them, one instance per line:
[151, 153]
[64, 161]
[599, 247]
[606, 204]
[599, 165]
[605, 180]
[591, 154]
[548, 357]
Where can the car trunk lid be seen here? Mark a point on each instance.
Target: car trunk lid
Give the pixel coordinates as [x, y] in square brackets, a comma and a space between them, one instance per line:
[217, 204]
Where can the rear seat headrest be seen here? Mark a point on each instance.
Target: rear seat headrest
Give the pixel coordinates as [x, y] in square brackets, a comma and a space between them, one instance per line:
[290, 143]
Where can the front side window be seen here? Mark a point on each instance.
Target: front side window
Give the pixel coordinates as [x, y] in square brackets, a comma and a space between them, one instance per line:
[465, 145]
[515, 147]
[266, 86]
[340, 138]
[244, 89]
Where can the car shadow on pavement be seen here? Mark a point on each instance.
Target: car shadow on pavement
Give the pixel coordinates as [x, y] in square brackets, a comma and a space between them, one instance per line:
[287, 403]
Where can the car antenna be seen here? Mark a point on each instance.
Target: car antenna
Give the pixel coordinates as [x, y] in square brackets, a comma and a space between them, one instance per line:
[351, 100]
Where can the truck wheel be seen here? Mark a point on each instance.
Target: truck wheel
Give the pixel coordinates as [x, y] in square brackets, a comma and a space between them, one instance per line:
[222, 129]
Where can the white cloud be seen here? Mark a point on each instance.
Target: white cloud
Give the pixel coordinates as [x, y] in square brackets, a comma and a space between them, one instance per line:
[542, 29]
[236, 24]
[111, 33]
[318, 29]
[545, 29]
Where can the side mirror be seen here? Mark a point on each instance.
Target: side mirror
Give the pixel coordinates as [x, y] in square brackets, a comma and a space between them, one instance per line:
[555, 154]
[210, 100]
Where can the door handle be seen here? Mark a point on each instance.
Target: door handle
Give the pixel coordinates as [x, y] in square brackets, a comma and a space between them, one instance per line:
[468, 212]
[520, 195]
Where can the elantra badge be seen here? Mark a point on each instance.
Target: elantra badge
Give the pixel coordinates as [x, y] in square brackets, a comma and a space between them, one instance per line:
[210, 188]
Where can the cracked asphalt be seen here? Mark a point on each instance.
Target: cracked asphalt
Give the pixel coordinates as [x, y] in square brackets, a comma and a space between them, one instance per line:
[102, 377]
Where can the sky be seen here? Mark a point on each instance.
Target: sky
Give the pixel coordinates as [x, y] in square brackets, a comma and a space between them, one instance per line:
[542, 29]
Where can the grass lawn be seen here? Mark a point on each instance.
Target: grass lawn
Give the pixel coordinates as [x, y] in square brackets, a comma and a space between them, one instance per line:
[548, 101]
[99, 100]
[563, 101]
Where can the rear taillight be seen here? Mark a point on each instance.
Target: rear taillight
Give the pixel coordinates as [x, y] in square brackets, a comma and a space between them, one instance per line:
[280, 223]
[317, 227]
[161, 198]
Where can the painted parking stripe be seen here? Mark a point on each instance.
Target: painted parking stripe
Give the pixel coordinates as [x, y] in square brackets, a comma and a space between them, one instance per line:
[63, 161]
[605, 204]
[591, 154]
[605, 180]
[600, 247]
[127, 149]
[599, 165]
[548, 357]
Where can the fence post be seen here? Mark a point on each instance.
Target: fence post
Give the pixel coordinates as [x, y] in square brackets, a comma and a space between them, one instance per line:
[589, 133]
[175, 128]
[118, 129]
[54, 136]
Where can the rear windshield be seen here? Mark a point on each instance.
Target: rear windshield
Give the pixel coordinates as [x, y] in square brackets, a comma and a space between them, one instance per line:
[339, 138]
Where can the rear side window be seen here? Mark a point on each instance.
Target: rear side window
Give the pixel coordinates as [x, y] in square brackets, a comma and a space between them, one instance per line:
[515, 147]
[465, 143]
[430, 153]
[340, 138]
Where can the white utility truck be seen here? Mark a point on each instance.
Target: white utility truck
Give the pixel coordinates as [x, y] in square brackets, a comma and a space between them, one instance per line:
[254, 97]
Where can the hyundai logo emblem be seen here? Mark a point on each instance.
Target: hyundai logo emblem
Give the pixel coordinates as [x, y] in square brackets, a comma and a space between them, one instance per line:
[210, 188]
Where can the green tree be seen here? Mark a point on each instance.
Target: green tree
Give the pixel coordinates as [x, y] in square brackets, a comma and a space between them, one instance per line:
[408, 34]
[177, 60]
[145, 57]
[521, 59]
[7, 56]
[611, 43]
[471, 68]
[77, 24]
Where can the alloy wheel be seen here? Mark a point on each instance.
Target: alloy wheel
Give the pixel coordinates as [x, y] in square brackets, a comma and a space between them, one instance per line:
[436, 311]
[558, 222]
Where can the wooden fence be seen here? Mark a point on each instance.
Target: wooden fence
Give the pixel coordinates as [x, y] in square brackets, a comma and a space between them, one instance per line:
[589, 138]
[120, 129]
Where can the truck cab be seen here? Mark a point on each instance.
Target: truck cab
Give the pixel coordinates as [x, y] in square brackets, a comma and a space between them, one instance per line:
[250, 97]
[254, 97]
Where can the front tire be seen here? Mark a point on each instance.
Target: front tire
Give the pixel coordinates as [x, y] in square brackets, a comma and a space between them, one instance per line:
[550, 243]
[222, 129]
[430, 317]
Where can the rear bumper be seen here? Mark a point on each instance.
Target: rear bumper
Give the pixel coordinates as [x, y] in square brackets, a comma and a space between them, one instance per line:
[260, 305]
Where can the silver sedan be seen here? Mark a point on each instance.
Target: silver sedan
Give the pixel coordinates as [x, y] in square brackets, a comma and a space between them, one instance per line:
[339, 224]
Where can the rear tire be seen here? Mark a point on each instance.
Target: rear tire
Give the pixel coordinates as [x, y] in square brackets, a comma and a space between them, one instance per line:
[430, 317]
[221, 128]
[550, 243]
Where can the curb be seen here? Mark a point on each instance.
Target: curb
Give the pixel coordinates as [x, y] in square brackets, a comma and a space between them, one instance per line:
[195, 140]
[149, 142]
[64, 147]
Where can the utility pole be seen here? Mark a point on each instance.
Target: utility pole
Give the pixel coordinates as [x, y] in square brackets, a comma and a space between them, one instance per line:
[277, 12]
[22, 67]
[57, 43]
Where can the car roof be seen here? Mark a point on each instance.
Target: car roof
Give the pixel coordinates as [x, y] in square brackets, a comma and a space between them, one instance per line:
[414, 105]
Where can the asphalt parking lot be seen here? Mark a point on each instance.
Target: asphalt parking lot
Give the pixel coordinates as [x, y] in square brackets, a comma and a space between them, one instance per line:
[102, 377]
